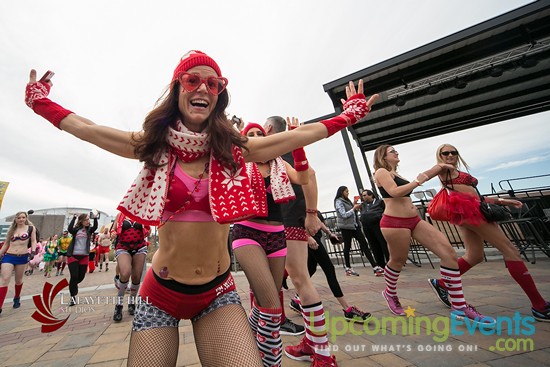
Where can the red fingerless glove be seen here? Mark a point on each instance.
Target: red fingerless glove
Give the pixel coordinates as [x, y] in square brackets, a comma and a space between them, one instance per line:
[355, 109]
[36, 98]
[300, 159]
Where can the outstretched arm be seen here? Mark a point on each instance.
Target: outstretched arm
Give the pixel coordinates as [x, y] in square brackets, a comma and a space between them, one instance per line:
[355, 108]
[112, 140]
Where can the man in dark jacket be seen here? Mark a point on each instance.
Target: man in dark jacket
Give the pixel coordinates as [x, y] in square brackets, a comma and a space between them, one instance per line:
[371, 212]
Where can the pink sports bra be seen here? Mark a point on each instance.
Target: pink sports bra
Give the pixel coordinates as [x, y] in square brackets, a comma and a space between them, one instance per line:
[197, 205]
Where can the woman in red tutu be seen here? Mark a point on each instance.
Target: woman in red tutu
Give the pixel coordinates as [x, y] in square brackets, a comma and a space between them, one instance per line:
[401, 222]
[464, 203]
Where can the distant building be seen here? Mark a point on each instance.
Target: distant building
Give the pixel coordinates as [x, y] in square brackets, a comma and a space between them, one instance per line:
[55, 220]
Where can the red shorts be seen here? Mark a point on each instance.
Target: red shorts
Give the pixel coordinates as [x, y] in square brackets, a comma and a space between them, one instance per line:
[183, 301]
[81, 259]
[102, 250]
[388, 221]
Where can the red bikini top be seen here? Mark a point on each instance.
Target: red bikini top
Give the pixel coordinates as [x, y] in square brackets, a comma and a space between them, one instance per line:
[462, 179]
[180, 189]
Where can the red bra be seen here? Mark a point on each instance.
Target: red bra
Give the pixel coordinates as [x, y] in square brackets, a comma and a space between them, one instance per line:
[181, 185]
[462, 179]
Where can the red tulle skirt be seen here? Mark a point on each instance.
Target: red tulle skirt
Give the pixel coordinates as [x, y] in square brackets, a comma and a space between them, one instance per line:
[464, 209]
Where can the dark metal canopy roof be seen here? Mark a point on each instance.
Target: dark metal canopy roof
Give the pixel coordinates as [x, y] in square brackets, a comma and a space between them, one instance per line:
[490, 72]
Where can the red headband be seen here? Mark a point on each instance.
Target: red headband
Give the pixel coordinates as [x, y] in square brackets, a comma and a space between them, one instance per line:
[195, 58]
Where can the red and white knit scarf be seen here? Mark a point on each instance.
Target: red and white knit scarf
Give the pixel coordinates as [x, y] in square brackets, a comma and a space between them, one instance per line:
[281, 188]
[231, 197]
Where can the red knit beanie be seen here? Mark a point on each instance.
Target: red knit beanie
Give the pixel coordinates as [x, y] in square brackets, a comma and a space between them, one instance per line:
[195, 58]
[250, 126]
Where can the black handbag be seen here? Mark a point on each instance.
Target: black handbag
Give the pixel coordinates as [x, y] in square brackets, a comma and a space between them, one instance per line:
[493, 212]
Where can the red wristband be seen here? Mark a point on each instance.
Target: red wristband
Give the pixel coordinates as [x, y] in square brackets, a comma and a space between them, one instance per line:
[300, 159]
[311, 211]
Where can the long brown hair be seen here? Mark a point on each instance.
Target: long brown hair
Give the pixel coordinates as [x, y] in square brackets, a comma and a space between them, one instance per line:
[379, 155]
[81, 218]
[153, 143]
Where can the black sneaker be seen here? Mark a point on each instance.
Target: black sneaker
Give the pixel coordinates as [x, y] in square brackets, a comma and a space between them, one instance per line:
[290, 328]
[16, 302]
[543, 316]
[295, 305]
[117, 317]
[441, 293]
[72, 303]
[131, 309]
[357, 315]
[285, 285]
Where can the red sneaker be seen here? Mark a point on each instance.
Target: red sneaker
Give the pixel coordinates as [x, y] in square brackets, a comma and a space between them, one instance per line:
[300, 352]
[320, 361]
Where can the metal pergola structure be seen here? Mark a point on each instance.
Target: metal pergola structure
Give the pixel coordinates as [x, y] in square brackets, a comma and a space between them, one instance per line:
[493, 71]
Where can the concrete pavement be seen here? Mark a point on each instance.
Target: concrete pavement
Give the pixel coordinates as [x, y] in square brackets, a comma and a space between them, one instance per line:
[91, 338]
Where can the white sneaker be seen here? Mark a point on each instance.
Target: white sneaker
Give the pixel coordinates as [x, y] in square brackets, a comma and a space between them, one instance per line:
[350, 272]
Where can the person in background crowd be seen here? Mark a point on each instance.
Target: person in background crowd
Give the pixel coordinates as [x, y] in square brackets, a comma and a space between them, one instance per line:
[188, 133]
[62, 246]
[474, 229]
[348, 222]
[50, 256]
[78, 253]
[401, 222]
[92, 258]
[317, 254]
[371, 211]
[14, 256]
[104, 248]
[131, 250]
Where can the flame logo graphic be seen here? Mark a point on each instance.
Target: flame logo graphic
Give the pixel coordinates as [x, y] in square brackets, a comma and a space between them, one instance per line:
[44, 307]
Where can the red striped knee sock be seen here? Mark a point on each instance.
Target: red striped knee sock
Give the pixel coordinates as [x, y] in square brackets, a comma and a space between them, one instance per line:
[463, 266]
[453, 283]
[391, 276]
[316, 330]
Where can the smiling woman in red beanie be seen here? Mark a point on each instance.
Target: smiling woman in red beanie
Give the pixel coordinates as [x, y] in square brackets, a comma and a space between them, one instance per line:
[192, 186]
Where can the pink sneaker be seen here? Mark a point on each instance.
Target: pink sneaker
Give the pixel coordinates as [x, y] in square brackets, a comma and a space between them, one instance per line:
[300, 352]
[393, 304]
[470, 313]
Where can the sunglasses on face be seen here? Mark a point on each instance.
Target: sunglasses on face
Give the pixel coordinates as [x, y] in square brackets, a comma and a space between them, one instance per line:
[392, 151]
[214, 84]
[453, 152]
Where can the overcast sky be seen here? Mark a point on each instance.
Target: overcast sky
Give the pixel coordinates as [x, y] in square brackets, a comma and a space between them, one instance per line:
[113, 60]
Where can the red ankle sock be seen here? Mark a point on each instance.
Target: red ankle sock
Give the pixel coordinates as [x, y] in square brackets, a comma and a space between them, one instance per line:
[519, 272]
[18, 288]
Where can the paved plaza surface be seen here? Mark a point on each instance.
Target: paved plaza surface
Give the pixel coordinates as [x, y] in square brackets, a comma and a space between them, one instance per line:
[91, 338]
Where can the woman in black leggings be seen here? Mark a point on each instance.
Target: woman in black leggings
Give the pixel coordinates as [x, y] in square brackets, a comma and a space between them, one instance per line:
[348, 222]
[317, 254]
[78, 251]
